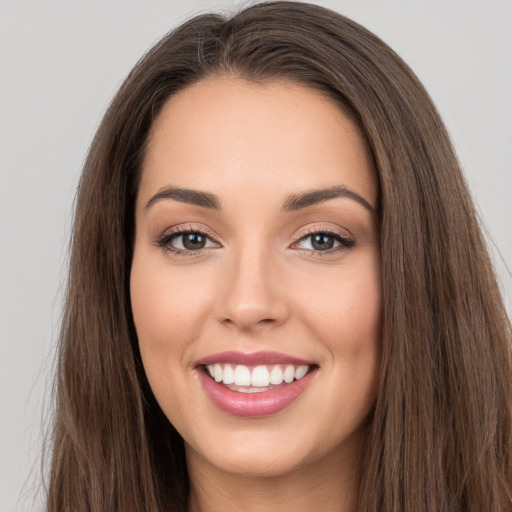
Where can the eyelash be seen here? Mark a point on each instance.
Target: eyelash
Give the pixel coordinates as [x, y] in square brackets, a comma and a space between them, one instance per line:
[345, 243]
[165, 241]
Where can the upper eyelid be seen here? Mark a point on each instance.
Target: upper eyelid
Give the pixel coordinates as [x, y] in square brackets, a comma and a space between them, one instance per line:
[344, 238]
[164, 243]
[298, 236]
[341, 239]
[182, 230]
[164, 240]
[340, 232]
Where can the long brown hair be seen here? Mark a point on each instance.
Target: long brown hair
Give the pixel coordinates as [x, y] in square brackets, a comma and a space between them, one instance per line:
[440, 436]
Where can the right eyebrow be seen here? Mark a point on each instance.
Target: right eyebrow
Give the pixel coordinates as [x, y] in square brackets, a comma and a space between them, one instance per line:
[185, 195]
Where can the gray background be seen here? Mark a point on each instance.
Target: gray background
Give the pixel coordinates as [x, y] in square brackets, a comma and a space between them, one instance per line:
[60, 64]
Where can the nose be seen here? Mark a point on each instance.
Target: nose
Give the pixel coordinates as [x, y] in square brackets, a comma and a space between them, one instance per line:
[251, 295]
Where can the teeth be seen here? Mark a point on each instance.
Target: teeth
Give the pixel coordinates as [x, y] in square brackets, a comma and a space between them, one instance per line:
[229, 375]
[242, 376]
[276, 375]
[259, 377]
[289, 374]
[300, 371]
[217, 372]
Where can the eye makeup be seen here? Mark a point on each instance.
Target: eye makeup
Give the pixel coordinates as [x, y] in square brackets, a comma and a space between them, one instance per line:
[323, 240]
[192, 241]
[183, 241]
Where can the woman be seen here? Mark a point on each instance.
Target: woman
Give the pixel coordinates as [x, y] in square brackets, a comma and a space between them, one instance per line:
[279, 294]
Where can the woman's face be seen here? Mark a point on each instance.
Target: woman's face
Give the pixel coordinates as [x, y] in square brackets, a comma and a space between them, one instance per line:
[255, 282]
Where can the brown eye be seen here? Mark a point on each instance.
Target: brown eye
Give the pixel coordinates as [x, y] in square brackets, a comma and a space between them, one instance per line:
[186, 242]
[193, 241]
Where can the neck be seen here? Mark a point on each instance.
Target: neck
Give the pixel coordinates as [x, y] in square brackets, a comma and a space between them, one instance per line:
[330, 484]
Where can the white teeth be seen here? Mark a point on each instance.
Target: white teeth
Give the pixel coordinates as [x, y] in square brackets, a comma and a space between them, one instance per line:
[242, 376]
[289, 374]
[217, 372]
[229, 375]
[276, 375]
[301, 371]
[260, 377]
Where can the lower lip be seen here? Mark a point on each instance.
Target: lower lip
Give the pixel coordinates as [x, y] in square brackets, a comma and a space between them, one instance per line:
[253, 405]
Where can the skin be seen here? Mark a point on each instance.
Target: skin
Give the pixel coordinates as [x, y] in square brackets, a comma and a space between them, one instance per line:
[260, 285]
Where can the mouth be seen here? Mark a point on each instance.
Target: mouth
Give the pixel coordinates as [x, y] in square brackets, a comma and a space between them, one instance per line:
[255, 379]
[254, 385]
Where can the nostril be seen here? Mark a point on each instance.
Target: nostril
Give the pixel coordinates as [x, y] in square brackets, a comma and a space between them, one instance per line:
[247, 323]
[251, 307]
[249, 318]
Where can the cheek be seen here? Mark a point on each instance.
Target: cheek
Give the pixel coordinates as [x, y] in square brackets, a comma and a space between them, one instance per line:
[345, 316]
[167, 311]
[345, 310]
[167, 306]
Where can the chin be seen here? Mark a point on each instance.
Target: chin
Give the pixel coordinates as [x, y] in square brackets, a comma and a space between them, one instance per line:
[269, 450]
[249, 461]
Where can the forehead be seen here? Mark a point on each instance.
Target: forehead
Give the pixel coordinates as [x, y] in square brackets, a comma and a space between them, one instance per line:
[228, 134]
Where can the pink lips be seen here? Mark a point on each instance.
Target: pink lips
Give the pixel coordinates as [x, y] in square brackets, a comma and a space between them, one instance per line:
[253, 405]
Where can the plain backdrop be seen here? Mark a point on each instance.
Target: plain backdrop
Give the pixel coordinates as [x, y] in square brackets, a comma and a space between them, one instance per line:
[60, 64]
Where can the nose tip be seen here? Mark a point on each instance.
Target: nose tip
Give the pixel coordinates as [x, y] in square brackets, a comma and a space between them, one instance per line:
[250, 315]
[252, 298]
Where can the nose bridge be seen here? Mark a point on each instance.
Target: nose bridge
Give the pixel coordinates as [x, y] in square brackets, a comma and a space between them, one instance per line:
[251, 293]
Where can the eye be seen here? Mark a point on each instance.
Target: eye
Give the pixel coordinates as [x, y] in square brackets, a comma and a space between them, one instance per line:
[322, 241]
[186, 242]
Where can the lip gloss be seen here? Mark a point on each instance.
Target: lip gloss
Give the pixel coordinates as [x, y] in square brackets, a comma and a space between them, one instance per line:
[251, 358]
[257, 404]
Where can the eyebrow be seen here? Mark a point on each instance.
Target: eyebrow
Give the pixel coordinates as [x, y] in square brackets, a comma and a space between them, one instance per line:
[185, 195]
[293, 202]
[298, 201]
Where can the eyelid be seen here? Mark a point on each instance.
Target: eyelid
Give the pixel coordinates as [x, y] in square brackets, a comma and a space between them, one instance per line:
[188, 228]
[163, 241]
[324, 228]
[343, 236]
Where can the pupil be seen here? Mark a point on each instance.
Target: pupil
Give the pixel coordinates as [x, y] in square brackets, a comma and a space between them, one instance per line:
[322, 242]
[193, 241]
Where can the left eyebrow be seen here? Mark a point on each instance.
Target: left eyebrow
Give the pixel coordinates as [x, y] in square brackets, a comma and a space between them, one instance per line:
[303, 200]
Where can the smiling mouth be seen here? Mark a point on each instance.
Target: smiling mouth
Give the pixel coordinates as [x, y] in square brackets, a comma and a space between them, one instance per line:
[254, 385]
[256, 379]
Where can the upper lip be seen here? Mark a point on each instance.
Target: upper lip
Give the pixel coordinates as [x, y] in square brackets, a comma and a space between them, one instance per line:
[251, 358]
